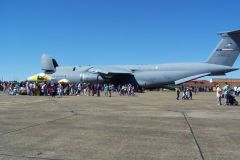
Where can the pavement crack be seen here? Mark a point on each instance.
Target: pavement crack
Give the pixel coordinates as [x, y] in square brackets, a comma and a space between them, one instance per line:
[29, 157]
[193, 135]
[35, 125]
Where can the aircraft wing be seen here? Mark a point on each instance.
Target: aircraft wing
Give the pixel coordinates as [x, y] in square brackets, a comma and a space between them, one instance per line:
[191, 78]
[110, 70]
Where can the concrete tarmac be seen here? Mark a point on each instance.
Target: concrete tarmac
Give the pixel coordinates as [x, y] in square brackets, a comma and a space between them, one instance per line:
[149, 126]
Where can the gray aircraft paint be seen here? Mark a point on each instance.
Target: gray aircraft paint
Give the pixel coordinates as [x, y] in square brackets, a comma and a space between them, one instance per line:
[227, 50]
[155, 75]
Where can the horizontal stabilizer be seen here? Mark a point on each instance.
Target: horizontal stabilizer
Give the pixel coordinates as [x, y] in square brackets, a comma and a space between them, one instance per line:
[191, 78]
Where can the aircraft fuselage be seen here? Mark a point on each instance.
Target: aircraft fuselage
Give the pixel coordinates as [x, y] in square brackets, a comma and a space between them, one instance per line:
[148, 76]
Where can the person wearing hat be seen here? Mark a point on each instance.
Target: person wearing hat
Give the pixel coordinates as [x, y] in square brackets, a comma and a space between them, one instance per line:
[219, 95]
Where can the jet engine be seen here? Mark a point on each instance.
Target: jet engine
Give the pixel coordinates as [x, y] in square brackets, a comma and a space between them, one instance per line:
[90, 77]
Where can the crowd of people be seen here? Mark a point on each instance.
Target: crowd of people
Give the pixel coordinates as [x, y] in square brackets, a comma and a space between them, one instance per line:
[87, 89]
[228, 94]
[186, 94]
[64, 89]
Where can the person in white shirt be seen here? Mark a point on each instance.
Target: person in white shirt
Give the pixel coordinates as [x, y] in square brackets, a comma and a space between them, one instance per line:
[238, 90]
[235, 90]
[219, 95]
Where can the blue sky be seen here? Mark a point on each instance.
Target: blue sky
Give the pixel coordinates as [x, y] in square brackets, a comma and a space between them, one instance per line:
[79, 32]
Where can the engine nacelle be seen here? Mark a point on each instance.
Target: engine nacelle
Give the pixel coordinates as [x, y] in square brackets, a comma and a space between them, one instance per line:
[90, 77]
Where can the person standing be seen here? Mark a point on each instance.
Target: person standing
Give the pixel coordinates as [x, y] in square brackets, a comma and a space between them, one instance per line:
[226, 90]
[93, 89]
[238, 90]
[98, 89]
[27, 88]
[219, 95]
[235, 90]
[184, 93]
[60, 90]
[178, 93]
[79, 89]
[110, 88]
[89, 88]
[190, 93]
[30, 89]
[105, 88]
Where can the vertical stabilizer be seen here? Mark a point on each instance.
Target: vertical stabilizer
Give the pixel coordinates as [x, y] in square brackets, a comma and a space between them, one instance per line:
[48, 64]
[227, 50]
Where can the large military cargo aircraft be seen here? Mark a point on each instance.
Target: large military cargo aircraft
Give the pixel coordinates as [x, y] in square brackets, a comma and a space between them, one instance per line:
[219, 62]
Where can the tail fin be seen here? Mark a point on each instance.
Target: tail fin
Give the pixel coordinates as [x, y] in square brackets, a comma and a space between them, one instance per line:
[48, 64]
[227, 50]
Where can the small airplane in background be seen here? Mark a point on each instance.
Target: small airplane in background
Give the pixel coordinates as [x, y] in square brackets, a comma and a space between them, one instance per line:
[150, 76]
